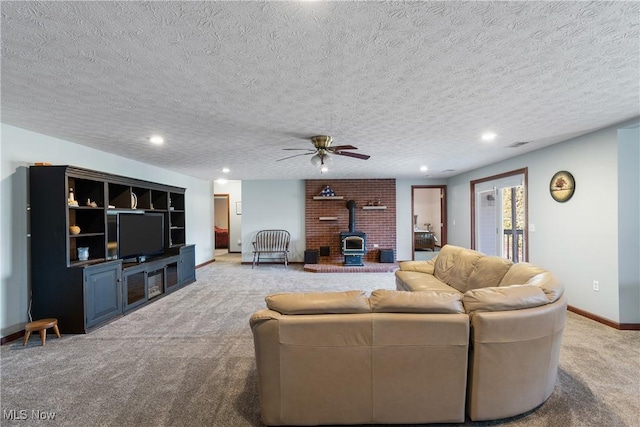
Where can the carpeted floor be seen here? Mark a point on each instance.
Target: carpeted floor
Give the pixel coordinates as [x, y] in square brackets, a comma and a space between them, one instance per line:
[187, 360]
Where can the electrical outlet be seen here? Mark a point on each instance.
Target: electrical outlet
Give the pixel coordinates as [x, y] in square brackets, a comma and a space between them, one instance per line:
[375, 245]
[596, 286]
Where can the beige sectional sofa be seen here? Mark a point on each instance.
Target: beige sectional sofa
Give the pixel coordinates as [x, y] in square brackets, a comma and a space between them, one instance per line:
[517, 315]
[474, 334]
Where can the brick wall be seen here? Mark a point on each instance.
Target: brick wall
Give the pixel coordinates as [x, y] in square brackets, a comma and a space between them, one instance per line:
[379, 225]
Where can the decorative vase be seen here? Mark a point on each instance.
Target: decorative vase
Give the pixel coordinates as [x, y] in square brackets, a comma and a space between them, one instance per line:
[83, 254]
[74, 229]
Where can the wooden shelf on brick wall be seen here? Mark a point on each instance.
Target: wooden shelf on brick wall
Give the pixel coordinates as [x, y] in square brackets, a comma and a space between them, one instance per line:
[374, 208]
[328, 197]
[328, 218]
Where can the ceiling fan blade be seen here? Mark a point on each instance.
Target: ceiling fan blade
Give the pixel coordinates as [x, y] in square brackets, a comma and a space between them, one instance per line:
[295, 155]
[343, 147]
[354, 155]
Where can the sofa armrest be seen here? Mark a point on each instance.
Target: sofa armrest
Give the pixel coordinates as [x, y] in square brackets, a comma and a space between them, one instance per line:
[514, 359]
[265, 327]
[549, 284]
[262, 316]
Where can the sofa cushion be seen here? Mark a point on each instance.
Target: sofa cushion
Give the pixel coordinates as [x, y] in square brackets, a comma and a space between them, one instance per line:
[387, 301]
[454, 266]
[488, 271]
[319, 302]
[502, 298]
[520, 274]
[419, 266]
[415, 281]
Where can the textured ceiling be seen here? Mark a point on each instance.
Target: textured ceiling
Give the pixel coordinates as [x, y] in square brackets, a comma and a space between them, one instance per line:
[229, 84]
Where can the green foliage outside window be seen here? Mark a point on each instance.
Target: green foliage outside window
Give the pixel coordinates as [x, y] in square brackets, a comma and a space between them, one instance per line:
[507, 224]
[506, 214]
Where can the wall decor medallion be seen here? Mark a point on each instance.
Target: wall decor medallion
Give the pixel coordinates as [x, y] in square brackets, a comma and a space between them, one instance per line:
[562, 186]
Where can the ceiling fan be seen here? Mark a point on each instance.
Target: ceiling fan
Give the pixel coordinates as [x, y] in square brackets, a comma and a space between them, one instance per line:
[322, 150]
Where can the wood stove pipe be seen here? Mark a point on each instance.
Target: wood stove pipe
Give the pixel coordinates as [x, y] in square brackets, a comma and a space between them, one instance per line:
[351, 205]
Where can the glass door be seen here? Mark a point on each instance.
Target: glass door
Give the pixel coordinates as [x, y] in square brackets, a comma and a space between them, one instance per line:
[499, 215]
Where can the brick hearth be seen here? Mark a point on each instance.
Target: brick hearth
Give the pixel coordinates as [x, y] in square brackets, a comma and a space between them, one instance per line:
[369, 267]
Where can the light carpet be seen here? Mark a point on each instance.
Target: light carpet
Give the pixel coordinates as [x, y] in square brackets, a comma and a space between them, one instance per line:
[187, 360]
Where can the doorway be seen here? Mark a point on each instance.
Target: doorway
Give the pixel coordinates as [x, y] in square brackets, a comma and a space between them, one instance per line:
[499, 215]
[221, 223]
[429, 219]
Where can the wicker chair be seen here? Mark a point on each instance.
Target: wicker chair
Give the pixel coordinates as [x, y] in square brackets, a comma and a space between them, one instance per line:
[271, 242]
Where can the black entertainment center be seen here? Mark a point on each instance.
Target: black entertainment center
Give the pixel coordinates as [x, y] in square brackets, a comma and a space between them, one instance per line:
[103, 244]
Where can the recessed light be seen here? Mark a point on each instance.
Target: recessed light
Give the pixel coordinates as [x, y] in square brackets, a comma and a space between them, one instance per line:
[488, 136]
[156, 139]
[221, 181]
[225, 170]
[423, 168]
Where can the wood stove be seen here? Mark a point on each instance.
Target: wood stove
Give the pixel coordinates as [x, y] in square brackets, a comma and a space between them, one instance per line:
[353, 243]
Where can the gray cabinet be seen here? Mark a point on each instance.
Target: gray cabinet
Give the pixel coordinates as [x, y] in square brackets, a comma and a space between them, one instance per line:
[103, 297]
[187, 264]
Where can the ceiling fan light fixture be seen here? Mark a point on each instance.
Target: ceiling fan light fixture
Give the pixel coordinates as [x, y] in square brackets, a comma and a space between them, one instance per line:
[321, 160]
[316, 160]
[323, 152]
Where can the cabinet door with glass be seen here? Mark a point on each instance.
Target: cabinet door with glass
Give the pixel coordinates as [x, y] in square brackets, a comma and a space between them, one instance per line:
[134, 287]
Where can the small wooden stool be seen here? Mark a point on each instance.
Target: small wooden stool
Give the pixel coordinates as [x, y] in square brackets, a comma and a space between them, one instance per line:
[42, 326]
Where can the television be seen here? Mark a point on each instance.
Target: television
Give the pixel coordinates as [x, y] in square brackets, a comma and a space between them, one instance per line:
[140, 235]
